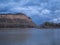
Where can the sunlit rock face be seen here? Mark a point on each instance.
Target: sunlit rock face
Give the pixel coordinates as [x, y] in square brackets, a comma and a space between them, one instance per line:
[15, 20]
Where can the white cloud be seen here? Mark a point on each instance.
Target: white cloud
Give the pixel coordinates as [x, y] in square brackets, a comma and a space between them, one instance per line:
[56, 20]
[22, 2]
[43, 4]
[57, 11]
[30, 10]
[45, 11]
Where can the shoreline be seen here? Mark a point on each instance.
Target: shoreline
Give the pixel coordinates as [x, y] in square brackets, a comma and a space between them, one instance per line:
[28, 28]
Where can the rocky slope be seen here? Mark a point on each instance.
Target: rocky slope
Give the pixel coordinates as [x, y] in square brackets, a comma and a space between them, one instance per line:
[15, 20]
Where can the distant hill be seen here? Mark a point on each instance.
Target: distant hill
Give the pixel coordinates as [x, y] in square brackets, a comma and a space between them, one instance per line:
[50, 25]
[15, 20]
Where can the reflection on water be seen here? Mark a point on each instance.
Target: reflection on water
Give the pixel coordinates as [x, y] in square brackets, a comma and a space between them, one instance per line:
[29, 36]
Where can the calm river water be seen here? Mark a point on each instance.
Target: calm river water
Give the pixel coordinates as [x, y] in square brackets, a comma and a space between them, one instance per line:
[29, 36]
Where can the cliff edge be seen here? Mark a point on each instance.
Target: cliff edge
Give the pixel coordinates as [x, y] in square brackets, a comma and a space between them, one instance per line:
[15, 20]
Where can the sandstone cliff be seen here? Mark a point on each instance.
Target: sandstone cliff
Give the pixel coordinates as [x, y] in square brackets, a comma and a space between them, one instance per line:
[15, 20]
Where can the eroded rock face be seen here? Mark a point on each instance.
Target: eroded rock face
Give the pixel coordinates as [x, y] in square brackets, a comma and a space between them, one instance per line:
[15, 20]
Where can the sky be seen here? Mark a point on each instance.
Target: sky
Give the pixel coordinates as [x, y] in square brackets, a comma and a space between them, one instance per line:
[39, 10]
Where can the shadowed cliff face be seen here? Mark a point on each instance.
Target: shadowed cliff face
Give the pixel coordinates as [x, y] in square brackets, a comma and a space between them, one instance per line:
[15, 20]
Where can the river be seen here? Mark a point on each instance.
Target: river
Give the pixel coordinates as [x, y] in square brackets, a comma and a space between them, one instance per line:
[29, 36]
